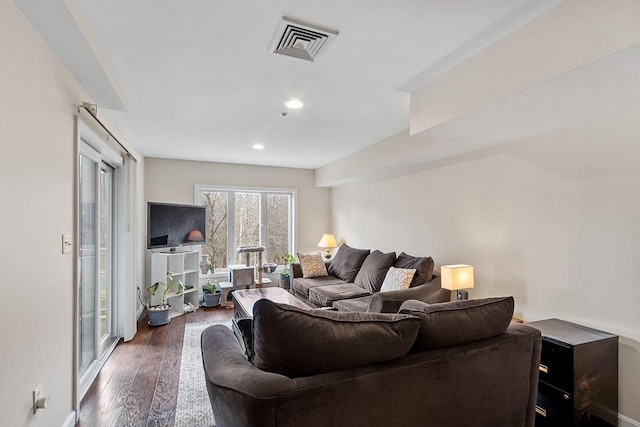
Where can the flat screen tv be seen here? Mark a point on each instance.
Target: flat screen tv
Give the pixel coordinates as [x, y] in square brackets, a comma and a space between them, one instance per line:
[170, 225]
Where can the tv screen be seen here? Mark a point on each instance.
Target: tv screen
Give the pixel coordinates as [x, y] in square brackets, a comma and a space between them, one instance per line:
[170, 225]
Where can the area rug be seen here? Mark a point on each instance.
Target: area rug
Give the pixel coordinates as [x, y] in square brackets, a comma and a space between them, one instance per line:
[193, 408]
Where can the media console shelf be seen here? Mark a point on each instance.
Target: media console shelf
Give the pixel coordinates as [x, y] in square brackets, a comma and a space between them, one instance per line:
[184, 266]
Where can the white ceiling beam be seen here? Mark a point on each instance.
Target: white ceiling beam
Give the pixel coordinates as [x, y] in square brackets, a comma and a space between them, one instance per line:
[562, 39]
[63, 26]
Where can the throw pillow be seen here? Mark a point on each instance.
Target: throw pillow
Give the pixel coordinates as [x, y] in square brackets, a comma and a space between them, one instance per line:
[312, 265]
[297, 343]
[373, 270]
[423, 266]
[459, 322]
[397, 278]
[347, 262]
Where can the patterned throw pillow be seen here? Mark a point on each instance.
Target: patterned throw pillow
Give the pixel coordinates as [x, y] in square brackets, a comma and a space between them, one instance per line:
[397, 278]
[312, 265]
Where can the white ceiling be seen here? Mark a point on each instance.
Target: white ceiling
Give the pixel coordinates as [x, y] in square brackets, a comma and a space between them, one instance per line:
[195, 79]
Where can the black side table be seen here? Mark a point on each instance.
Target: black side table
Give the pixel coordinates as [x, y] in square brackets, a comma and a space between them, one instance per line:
[578, 383]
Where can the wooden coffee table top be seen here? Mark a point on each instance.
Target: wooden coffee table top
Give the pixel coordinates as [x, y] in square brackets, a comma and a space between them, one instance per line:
[245, 299]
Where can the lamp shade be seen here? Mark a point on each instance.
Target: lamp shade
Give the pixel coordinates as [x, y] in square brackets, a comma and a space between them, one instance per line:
[195, 236]
[328, 241]
[458, 276]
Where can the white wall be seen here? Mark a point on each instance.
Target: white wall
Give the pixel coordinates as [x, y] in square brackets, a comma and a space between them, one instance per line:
[552, 220]
[174, 181]
[38, 98]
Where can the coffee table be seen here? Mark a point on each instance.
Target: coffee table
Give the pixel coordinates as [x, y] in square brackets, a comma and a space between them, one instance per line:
[243, 301]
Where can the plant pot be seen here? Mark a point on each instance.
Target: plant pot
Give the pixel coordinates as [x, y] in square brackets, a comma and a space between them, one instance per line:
[285, 282]
[212, 299]
[159, 316]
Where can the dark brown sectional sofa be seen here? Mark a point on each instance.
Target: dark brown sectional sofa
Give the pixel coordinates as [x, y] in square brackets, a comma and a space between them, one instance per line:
[453, 364]
[356, 275]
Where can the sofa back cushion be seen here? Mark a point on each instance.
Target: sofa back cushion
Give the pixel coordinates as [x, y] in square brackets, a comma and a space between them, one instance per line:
[298, 343]
[459, 322]
[422, 265]
[373, 270]
[347, 262]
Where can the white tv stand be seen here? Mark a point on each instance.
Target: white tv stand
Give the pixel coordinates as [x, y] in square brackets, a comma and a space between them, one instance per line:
[185, 266]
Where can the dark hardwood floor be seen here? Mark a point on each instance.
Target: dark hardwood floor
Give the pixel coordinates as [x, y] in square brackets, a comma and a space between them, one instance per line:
[138, 385]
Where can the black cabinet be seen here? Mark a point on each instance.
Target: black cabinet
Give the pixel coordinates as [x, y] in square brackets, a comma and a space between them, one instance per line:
[578, 375]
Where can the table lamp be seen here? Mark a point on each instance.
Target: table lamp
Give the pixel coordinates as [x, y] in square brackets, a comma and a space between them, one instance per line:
[457, 277]
[195, 236]
[328, 242]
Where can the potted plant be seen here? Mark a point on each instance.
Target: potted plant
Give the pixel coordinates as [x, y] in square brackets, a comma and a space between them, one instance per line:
[159, 313]
[285, 274]
[211, 294]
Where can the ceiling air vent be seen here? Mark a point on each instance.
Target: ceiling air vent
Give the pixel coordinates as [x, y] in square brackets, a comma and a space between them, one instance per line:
[301, 40]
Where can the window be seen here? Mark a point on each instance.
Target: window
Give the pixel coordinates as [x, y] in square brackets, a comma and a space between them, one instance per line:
[238, 217]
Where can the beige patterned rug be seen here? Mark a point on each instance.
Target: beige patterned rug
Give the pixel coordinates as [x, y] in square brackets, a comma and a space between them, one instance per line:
[193, 408]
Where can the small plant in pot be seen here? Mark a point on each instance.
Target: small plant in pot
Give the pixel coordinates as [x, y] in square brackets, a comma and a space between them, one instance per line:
[159, 313]
[285, 274]
[211, 294]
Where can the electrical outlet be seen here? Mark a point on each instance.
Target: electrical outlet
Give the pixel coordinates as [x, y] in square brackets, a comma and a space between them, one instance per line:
[37, 395]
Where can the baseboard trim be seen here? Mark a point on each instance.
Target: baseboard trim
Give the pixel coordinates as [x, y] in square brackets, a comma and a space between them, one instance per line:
[627, 422]
[71, 420]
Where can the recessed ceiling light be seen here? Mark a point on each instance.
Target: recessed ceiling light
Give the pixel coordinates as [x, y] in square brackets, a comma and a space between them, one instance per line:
[258, 147]
[294, 103]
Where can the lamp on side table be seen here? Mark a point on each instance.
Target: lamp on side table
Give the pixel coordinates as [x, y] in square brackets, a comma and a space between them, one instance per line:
[456, 278]
[328, 242]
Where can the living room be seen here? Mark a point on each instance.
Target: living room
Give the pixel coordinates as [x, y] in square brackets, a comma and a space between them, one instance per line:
[548, 214]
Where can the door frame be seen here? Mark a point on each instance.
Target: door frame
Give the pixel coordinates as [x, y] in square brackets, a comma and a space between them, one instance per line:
[90, 144]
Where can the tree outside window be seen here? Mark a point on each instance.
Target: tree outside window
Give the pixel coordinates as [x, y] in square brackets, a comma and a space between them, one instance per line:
[247, 217]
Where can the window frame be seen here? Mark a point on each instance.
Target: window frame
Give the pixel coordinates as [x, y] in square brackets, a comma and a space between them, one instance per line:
[263, 191]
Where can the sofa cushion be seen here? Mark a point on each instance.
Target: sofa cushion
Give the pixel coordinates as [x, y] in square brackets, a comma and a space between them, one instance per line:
[326, 295]
[298, 343]
[397, 279]
[360, 304]
[374, 269]
[347, 262]
[423, 266]
[312, 265]
[458, 322]
[302, 286]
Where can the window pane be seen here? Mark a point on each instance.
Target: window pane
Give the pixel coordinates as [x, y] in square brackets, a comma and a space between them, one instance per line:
[277, 226]
[247, 221]
[88, 261]
[216, 247]
[105, 254]
[247, 217]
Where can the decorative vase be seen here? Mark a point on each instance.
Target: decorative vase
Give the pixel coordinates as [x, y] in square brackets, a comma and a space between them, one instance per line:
[204, 264]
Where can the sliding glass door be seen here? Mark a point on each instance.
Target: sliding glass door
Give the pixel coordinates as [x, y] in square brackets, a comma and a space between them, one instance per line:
[96, 322]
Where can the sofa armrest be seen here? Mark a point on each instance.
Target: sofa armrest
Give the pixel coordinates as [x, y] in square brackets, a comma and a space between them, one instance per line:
[296, 269]
[235, 386]
[390, 302]
[225, 362]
